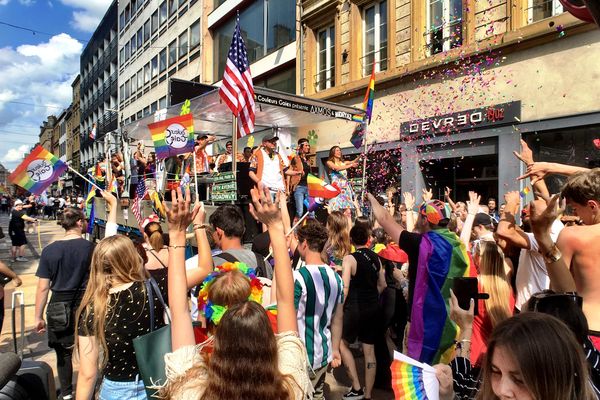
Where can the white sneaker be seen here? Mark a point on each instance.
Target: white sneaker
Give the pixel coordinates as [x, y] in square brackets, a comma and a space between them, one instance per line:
[22, 259]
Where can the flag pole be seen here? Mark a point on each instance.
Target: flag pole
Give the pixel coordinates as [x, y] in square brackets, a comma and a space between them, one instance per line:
[195, 175]
[291, 231]
[84, 178]
[234, 127]
[364, 172]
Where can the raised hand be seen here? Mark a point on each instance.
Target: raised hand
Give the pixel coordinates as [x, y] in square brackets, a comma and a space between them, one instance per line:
[462, 318]
[427, 194]
[513, 198]
[200, 217]
[526, 155]
[263, 208]
[179, 215]
[473, 203]
[536, 171]
[409, 200]
[447, 192]
[543, 217]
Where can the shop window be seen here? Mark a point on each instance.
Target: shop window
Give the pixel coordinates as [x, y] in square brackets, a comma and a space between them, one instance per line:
[162, 12]
[162, 62]
[195, 35]
[325, 77]
[183, 44]
[281, 24]
[173, 52]
[375, 38]
[444, 25]
[540, 9]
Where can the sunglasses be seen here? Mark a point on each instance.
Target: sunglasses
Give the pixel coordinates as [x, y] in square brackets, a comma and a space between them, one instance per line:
[545, 301]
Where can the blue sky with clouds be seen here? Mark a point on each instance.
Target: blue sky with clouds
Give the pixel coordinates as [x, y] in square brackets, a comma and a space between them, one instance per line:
[36, 70]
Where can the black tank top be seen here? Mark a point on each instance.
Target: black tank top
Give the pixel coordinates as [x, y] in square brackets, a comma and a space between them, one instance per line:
[363, 284]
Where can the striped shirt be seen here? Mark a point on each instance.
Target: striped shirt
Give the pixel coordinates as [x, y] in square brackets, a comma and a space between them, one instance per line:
[318, 289]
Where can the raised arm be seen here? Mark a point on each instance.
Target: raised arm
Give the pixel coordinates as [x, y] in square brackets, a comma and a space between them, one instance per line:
[561, 279]
[384, 218]
[111, 220]
[179, 217]
[538, 170]
[507, 228]
[267, 212]
[195, 276]
[448, 199]
[472, 207]
[526, 156]
[344, 165]
[409, 202]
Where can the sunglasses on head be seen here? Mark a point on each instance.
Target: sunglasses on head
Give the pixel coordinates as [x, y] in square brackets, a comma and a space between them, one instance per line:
[544, 301]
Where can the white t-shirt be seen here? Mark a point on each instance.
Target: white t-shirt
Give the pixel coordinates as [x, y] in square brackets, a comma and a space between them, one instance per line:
[532, 275]
[271, 175]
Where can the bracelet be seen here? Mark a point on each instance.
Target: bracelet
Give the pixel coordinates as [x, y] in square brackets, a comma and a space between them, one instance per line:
[177, 246]
[200, 226]
[465, 341]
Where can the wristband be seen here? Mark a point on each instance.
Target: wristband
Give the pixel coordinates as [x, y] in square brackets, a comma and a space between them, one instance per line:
[177, 246]
[200, 226]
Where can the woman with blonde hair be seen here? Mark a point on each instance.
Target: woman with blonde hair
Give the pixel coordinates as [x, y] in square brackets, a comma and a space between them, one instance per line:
[494, 280]
[249, 361]
[115, 310]
[338, 245]
[338, 174]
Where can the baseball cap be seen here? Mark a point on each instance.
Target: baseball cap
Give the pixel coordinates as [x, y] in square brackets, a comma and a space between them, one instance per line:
[18, 202]
[151, 218]
[270, 138]
[483, 219]
[435, 211]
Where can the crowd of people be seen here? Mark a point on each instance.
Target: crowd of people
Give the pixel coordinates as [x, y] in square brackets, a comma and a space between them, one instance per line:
[271, 322]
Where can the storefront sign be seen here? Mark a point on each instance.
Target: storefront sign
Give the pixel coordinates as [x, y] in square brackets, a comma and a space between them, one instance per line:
[310, 108]
[496, 115]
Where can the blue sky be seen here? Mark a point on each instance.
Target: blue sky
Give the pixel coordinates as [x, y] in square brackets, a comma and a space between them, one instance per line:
[36, 70]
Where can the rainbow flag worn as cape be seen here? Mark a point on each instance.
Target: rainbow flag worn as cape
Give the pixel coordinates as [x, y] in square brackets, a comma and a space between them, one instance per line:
[38, 171]
[413, 380]
[442, 257]
[173, 136]
[319, 188]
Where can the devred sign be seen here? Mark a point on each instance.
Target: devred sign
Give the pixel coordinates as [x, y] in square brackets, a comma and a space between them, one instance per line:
[500, 114]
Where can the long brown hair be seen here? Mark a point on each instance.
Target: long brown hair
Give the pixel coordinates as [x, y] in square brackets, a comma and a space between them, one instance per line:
[155, 236]
[115, 261]
[551, 361]
[331, 156]
[338, 229]
[493, 279]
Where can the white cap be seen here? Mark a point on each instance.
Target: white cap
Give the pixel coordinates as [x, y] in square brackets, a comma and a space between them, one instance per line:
[18, 202]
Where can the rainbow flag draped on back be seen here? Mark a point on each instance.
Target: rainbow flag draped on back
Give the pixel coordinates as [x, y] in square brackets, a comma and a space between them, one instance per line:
[442, 257]
[173, 136]
[412, 380]
[38, 171]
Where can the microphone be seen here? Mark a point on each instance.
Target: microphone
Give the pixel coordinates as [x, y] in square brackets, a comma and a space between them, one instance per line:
[9, 365]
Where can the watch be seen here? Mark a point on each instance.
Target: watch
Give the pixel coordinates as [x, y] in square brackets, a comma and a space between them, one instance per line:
[553, 255]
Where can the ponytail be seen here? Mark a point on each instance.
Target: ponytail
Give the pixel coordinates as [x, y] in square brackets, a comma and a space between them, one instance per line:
[155, 236]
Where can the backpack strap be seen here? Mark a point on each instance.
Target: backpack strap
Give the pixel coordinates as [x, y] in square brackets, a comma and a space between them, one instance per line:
[227, 257]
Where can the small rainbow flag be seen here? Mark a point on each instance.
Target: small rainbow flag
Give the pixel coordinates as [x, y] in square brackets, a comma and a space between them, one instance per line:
[173, 136]
[38, 171]
[319, 188]
[413, 380]
[525, 192]
[313, 203]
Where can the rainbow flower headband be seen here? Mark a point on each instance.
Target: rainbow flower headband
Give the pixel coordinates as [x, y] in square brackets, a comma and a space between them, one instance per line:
[214, 312]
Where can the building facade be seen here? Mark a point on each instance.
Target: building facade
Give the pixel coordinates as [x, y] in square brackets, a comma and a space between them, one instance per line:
[72, 154]
[269, 29]
[458, 84]
[99, 88]
[46, 130]
[159, 40]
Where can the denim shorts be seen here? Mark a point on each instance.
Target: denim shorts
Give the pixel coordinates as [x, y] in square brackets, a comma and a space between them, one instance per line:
[112, 390]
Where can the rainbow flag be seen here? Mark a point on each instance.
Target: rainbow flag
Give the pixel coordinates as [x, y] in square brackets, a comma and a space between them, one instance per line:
[442, 257]
[525, 192]
[413, 380]
[38, 171]
[313, 203]
[318, 188]
[173, 136]
[367, 104]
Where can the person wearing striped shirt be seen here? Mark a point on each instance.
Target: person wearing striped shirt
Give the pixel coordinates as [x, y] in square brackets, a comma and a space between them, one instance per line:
[319, 294]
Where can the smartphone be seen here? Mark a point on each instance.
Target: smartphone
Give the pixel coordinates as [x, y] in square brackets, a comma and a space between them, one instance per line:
[98, 194]
[466, 289]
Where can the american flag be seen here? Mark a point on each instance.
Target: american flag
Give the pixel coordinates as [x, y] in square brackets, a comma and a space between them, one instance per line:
[140, 193]
[237, 90]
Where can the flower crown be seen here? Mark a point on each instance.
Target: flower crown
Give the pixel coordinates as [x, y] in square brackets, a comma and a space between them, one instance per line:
[214, 312]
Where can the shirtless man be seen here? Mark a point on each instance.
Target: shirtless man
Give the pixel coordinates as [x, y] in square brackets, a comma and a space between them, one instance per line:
[579, 244]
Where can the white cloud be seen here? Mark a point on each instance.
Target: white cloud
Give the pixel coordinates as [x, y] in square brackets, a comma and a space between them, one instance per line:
[39, 76]
[88, 13]
[4, 2]
[15, 154]
[27, 2]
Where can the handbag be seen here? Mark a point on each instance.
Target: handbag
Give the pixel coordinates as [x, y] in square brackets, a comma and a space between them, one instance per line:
[150, 349]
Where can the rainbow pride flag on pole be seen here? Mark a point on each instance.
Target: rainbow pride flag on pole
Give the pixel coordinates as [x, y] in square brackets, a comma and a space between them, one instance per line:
[173, 136]
[367, 104]
[319, 188]
[442, 257]
[38, 171]
[412, 380]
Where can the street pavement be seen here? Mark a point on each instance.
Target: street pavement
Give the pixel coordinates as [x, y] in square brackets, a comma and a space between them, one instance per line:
[36, 348]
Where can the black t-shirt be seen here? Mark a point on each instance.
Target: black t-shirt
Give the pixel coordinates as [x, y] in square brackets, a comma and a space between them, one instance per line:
[305, 172]
[363, 284]
[67, 264]
[17, 223]
[127, 317]
[410, 243]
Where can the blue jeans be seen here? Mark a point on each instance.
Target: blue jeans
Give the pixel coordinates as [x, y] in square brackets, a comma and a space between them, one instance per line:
[300, 194]
[112, 390]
